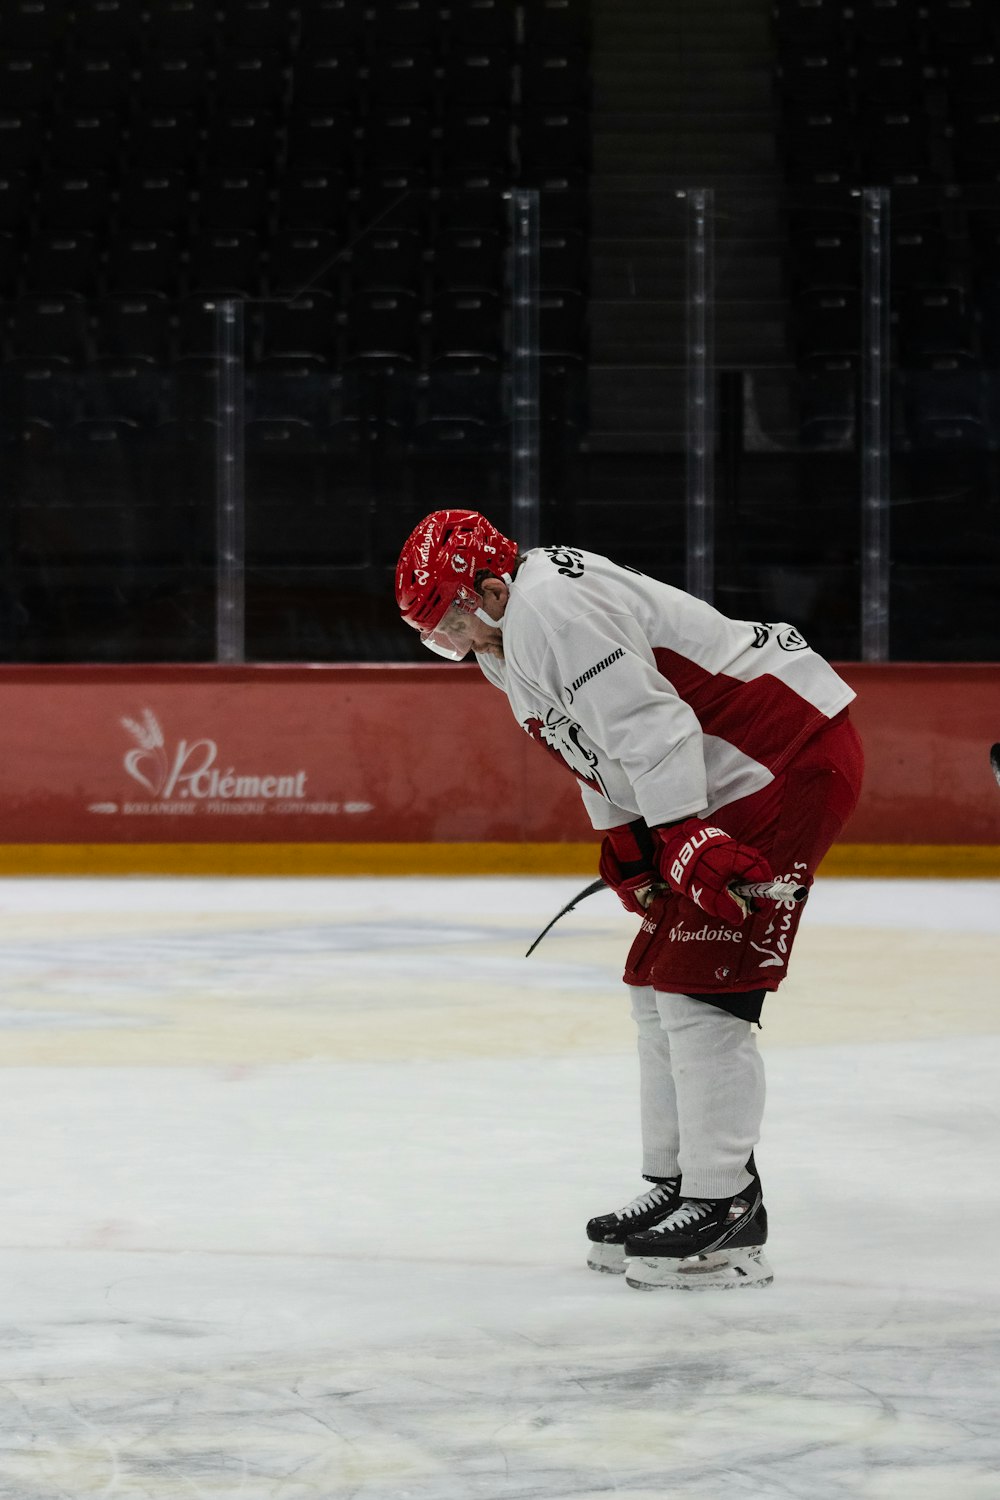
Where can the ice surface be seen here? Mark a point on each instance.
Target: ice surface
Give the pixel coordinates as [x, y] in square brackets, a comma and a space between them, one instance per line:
[295, 1174]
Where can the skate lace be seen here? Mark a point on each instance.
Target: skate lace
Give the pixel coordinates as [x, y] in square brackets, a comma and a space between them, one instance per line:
[691, 1211]
[657, 1195]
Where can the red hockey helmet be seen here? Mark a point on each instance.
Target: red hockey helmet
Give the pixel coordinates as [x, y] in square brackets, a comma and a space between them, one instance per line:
[439, 563]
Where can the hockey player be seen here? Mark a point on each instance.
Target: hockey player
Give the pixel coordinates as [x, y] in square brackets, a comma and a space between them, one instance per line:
[710, 752]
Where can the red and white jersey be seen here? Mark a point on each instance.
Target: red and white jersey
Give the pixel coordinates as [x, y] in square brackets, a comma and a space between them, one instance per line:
[661, 706]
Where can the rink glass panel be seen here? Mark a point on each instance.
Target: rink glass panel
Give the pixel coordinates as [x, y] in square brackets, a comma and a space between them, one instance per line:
[108, 506]
[177, 489]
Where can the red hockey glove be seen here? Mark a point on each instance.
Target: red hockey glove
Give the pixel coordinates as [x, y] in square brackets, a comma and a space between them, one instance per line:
[628, 863]
[701, 862]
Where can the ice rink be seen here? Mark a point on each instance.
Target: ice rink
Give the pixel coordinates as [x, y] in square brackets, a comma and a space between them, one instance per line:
[295, 1175]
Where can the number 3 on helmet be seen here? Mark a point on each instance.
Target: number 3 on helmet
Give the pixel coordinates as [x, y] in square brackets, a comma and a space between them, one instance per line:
[438, 566]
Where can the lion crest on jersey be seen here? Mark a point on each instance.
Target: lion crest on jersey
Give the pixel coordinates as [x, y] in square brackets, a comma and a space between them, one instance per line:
[562, 738]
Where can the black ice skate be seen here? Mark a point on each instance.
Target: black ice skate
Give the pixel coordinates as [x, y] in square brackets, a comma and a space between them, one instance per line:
[608, 1232]
[704, 1244]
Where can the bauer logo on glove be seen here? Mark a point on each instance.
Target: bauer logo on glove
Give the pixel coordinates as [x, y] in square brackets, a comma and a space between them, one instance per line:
[702, 862]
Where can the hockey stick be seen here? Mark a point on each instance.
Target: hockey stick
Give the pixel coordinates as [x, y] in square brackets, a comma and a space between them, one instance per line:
[766, 890]
[995, 761]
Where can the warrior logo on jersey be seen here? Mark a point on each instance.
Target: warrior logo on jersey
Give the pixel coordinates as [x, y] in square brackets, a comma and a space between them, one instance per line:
[561, 738]
[785, 636]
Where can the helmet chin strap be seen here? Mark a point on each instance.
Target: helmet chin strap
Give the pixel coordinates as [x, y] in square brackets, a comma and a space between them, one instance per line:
[481, 614]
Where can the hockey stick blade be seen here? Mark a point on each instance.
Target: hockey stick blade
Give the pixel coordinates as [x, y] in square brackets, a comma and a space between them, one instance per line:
[589, 890]
[995, 761]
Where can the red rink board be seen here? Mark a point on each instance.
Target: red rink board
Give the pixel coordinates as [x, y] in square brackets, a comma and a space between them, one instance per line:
[362, 754]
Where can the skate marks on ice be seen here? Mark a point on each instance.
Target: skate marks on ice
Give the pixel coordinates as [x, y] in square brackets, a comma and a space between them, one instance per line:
[245, 972]
[266, 1382]
[181, 972]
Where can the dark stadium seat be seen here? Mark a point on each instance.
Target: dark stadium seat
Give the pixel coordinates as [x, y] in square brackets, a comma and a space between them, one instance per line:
[825, 258]
[465, 387]
[467, 258]
[259, 24]
[332, 23]
[85, 139]
[251, 78]
[887, 24]
[62, 260]
[48, 325]
[233, 198]
[894, 144]
[467, 323]
[163, 137]
[327, 77]
[79, 199]
[303, 325]
[106, 23]
[555, 75]
[144, 261]
[27, 80]
[298, 386]
[563, 259]
[157, 199]
[97, 79]
[553, 139]
[42, 25]
[172, 79]
[945, 406]
[132, 324]
[22, 139]
[827, 322]
[306, 259]
[183, 23]
[128, 389]
[313, 198]
[404, 23]
[479, 23]
[393, 198]
[562, 321]
[387, 258]
[826, 393]
[473, 200]
[39, 388]
[15, 201]
[383, 326]
[225, 259]
[476, 75]
[401, 76]
[934, 321]
[560, 23]
[476, 138]
[321, 139]
[398, 138]
[241, 138]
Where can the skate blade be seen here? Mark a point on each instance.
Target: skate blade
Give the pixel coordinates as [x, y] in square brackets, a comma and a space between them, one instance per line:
[608, 1258]
[723, 1270]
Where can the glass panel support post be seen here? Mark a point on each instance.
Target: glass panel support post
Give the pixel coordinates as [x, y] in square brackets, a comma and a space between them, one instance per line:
[230, 581]
[875, 424]
[700, 322]
[524, 365]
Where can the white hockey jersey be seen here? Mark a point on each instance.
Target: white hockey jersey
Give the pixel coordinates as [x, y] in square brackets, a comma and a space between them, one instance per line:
[661, 706]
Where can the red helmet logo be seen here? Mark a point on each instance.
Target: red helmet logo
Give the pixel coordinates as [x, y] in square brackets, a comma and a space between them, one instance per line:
[446, 547]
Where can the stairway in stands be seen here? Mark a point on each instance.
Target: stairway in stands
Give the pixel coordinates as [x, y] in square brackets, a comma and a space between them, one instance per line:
[682, 97]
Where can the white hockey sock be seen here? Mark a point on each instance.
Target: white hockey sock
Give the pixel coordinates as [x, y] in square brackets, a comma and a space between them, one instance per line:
[657, 1099]
[718, 1081]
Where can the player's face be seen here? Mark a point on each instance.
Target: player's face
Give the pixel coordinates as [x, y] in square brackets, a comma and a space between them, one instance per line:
[460, 632]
